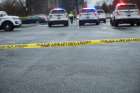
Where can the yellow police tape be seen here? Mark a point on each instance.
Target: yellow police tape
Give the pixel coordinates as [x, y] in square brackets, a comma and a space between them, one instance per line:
[70, 43]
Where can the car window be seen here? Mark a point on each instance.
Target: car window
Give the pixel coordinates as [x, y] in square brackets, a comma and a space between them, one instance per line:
[58, 12]
[122, 7]
[87, 10]
[100, 11]
[132, 7]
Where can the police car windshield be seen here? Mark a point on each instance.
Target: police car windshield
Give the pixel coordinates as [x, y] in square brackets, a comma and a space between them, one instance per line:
[122, 7]
[58, 12]
[87, 10]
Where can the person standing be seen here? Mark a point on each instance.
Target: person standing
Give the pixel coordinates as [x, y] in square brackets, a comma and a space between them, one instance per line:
[71, 17]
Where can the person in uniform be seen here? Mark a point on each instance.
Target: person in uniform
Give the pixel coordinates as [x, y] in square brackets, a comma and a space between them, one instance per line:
[71, 17]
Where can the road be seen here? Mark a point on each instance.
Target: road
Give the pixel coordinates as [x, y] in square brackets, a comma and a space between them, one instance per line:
[112, 68]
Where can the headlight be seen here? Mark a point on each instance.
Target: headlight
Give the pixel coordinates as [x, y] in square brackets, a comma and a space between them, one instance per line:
[15, 18]
[50, 16]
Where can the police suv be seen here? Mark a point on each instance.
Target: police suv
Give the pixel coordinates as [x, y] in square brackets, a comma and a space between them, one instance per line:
[88, 15]
[125, 13]
[102, 15]
[8, 23]
[58, 16]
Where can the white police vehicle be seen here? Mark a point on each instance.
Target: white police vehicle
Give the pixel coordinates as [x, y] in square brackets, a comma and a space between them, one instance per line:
[102, 15]
[8, 23]
[58, 16]
[125, 13]
[88, 15]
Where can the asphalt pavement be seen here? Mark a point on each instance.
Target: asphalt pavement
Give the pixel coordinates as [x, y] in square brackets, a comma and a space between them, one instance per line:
[112, 68]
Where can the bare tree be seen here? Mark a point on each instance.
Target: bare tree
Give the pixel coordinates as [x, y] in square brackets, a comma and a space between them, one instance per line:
[37, 6]
[43, 6]
[15, 7]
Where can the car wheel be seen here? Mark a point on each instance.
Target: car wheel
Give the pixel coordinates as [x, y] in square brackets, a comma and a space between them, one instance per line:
[116, 24]
[138, 24]
[97, 23]
[49, 25]
[8, 26]
[111, 23]
[132, 24]
[66, 24]
[81, 23]
[104, 21]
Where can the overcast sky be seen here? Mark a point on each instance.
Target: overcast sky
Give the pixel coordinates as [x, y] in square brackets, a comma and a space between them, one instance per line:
[91, 3]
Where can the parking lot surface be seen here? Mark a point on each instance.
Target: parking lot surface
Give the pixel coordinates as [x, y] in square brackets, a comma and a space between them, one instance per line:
[111, 68]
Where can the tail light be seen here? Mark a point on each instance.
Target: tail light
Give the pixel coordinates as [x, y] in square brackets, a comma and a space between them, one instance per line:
[50, 16]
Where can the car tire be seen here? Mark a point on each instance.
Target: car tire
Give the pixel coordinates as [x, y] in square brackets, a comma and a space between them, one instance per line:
[116, 24]
[8, 26]
[111, 23]
[104, 21]
[66, 24]
[138, 24]
[132, 24]
[49, 25]
[81, 23]
[97, 23]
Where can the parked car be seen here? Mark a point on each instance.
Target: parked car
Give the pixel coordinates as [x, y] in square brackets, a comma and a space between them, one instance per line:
[58, 16]
[41, 18]
[88, 15]
[125, 13]
[102, 15]
[8, 23]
